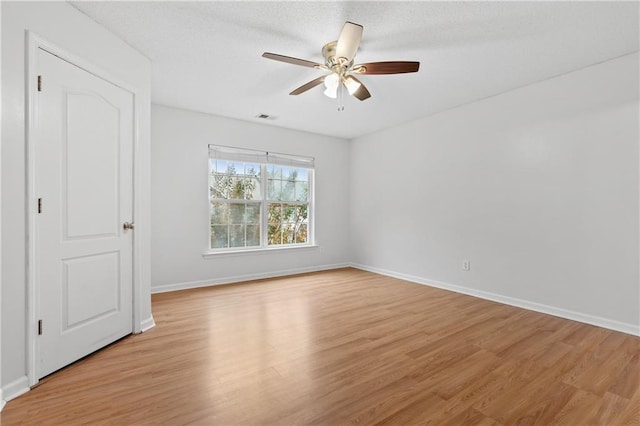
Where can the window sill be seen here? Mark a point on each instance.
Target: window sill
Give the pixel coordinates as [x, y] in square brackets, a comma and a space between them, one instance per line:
[213, 254]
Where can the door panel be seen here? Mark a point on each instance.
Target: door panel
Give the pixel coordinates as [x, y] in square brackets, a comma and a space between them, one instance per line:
[91, 161]
[84, 176]
[91, 288]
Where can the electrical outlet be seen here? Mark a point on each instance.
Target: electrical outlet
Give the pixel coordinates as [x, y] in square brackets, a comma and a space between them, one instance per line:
[466, 265]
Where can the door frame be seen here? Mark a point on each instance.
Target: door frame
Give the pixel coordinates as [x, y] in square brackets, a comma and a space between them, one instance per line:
[33, 43]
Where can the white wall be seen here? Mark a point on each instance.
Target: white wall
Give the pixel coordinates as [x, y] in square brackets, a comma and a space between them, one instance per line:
[63, 25]
[179, 199]
[537, 187]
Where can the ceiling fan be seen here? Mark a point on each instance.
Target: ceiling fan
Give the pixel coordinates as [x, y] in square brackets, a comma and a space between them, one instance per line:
[338, 60]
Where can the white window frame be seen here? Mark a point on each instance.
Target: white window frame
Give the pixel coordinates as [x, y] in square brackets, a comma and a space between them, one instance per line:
[264, 159]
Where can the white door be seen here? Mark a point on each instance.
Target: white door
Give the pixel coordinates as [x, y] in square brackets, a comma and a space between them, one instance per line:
[84, 183]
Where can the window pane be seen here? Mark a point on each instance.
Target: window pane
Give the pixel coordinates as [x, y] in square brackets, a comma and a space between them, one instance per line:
[236, 180]
[252, 170]
[294, 213]
[287, 213]
[220, 166]
[274, 188]
[302, 191]
[233, 167]
[250, 181]
[219, 213]
[219, 236]
[303, 174]
[287, 223]
[302, 213]
[274, 213]
[236, 187]
[301, 234]
[236, 236]
[289, 173]
[252, 190]
[236, 213]
[274, 234]
[288, 190]
[253, 235]
[252, 213]
[219, 187]
[275, 172]
[288, 233]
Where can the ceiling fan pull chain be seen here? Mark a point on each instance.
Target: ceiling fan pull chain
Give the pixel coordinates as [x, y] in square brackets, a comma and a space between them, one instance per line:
[340, 96]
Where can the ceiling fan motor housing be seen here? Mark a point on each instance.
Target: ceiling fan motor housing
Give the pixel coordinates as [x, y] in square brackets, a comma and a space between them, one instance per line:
[335, 64]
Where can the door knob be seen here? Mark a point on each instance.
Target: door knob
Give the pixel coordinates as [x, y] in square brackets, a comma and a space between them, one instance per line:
[128, 225]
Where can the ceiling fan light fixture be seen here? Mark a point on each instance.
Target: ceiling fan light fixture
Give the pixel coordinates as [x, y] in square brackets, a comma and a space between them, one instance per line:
[331, 92]
[339, 58]
[331, 82]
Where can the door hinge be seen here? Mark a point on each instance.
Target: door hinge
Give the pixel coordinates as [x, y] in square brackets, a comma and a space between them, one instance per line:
[39, 205]
[39, 83]
[39, 327]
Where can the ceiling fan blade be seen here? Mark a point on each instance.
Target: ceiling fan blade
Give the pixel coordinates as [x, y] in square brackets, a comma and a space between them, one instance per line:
[390, 67]
[361, 92]
[349, 41]
[309, 85]
[290, 60]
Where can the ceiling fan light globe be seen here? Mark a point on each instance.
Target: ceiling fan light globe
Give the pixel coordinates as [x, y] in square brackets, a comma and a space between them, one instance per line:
[351, 84]
[331, 81]
[332, 92]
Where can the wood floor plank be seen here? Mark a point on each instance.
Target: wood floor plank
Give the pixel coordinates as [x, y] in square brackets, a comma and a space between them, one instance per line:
[611, 405]
[344, 347]
[628, 380]
[420, 408]
[630, 416]
[581, 409]
[541, 409]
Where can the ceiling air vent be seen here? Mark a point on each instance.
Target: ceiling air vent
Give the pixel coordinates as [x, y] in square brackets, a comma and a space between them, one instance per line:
[265, 117]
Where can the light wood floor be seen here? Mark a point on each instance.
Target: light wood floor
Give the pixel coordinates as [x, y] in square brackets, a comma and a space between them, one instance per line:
[345, 346]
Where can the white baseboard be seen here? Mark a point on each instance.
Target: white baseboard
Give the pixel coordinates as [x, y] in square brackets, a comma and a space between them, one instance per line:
[147, 324]
[240, 278]
[520, 303]
[2, 401]
[15, 389]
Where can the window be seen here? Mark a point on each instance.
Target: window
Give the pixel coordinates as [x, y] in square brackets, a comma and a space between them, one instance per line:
[259, 199]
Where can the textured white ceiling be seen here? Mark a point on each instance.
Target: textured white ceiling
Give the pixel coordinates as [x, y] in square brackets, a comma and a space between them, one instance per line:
[206, 55]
